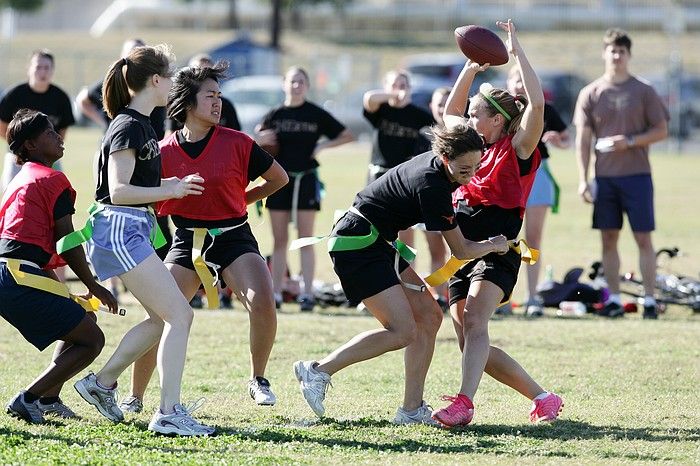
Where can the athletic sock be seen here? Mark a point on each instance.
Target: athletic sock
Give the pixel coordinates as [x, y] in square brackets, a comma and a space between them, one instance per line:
[649, 301]
[105, 388]
[541, 396]
[47, 400]
[30, 397]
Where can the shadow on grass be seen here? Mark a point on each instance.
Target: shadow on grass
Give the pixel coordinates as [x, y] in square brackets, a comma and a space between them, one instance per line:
[488, 439]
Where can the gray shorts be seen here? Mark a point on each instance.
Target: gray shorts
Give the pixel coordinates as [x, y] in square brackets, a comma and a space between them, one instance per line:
[120, 240]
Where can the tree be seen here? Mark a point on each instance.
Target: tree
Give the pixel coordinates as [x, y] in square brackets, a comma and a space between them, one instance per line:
[294, 6]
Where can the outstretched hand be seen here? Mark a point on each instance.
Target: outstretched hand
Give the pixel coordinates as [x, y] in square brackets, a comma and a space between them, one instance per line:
[105, 298]
[472, 65]
[189, 185]
[512, 42]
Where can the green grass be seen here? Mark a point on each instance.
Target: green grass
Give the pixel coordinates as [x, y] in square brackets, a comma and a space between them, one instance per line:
[630, 386]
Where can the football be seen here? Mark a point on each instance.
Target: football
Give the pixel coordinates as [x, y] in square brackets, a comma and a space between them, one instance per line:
[481, 45]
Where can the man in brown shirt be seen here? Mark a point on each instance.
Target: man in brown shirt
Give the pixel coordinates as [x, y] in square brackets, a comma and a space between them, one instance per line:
[625, 116]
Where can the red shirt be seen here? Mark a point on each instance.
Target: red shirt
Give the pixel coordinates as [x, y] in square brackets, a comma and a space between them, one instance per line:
[498, 181]
[224, 166]
[27, 208]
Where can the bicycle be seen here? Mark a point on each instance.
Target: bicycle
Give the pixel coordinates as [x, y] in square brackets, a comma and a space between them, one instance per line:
[670, 288]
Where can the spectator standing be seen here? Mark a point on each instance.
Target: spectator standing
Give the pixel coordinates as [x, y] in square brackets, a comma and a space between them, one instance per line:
[38, 93]
[625, 116]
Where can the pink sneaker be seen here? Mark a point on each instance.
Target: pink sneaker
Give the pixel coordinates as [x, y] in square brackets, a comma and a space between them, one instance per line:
[546, 409]
[459, 412]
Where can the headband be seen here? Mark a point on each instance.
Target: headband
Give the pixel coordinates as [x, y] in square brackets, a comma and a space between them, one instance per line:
[495, 105]
[28, 130]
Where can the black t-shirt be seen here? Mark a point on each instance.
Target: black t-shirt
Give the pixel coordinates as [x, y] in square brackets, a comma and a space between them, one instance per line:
[259, 162]
[397, 133]
[229, 118]
[157, 115]
[298, 130]
[130, 130]
[31, 252]
[552, 122]
[417, 191]
[54, 103]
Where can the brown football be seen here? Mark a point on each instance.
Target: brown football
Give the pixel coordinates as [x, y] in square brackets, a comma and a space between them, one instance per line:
[481, 45]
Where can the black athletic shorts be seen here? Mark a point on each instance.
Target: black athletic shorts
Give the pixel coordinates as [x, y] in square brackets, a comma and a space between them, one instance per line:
[364, 272]
[309, 194]
[501, 270]
[478, 223]
[227, 247]
[40, 316]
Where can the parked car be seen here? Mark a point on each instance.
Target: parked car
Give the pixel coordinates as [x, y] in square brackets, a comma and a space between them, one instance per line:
[682, 99]
[253, 97]
[561, 90]
[430, 71]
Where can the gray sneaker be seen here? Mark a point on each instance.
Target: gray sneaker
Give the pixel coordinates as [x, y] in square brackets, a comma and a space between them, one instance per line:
[179, 422]
[58, 409]
[313, 384]
[131, 404]
[104, 399]
[30, 412]
[260, 391]
[422, 415]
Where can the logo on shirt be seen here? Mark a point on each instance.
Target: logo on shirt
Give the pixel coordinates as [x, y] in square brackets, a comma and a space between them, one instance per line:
[296, 126]
[391, 128]
[149, 151]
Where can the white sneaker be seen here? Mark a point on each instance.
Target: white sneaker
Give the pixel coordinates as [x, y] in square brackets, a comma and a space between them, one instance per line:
[179, 422]
[260, 391]
[131, 404]
[422, 415]
[104, 399]
[313, 385]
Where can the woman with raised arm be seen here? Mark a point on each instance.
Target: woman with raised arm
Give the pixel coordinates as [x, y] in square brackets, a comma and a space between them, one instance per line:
[128, 183]
[494, 204]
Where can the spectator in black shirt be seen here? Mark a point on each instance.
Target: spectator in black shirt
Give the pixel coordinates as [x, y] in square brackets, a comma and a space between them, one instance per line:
[38, 93]
[295, 128]
[397, 123]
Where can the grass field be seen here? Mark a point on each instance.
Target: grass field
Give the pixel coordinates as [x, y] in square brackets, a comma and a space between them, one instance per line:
[630, 386]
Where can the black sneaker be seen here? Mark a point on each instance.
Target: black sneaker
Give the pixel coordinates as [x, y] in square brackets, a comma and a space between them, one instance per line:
[306, 303]
[612, 310]
[196, 302]
[650, 312]
[225, 301]
[30, 412]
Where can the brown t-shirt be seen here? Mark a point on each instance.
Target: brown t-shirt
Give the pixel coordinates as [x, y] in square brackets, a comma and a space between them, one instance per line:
[627, 108]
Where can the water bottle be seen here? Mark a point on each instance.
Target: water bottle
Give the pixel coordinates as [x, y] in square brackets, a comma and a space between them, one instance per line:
[571, 309]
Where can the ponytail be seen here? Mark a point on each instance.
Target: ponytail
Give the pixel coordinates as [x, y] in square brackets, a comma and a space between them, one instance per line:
[115, 91]
[130, 74]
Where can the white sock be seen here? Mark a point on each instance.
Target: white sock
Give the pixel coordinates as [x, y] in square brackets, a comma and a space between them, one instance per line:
[541, 396]
[278, 297]
[614, 298]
